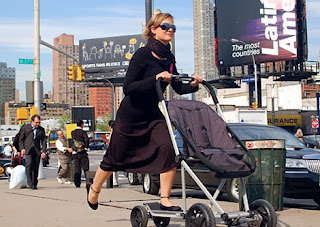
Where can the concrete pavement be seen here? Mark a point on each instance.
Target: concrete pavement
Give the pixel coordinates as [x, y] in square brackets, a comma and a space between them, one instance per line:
[55, 204]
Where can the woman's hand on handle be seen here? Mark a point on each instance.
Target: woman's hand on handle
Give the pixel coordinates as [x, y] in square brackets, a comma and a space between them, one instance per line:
[166, 76]
[197, 80]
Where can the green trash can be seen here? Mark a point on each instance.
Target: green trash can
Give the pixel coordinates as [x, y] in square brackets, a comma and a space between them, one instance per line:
[267, 182]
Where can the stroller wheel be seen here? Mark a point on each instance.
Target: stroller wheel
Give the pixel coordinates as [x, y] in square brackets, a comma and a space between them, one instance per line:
[139, 216]
[200, 215]
[161, 221]
[264, 213]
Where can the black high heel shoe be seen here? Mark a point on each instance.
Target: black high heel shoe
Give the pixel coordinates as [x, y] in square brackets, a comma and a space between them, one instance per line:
[170, 208]
[92, 206]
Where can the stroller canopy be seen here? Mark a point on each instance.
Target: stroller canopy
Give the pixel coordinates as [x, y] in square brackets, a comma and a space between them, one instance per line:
[208, 138]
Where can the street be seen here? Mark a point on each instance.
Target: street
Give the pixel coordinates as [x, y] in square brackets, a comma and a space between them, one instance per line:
[65, 205]
[95, 158]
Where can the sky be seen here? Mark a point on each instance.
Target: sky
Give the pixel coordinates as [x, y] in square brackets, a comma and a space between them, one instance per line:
[97, 19]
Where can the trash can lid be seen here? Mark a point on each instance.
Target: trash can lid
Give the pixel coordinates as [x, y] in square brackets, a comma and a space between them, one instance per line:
[264, 144]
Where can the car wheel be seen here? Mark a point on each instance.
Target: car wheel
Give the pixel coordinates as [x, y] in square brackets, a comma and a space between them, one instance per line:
[232, 189]
[151, 183]
[133, 178]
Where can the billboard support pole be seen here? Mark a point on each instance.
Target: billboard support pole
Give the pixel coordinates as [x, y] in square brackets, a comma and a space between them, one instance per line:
[113, 108]
[255, 72]
[255, 80]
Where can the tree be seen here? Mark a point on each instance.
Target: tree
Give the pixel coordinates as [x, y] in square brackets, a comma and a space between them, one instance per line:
[65, 119]
[102, 123]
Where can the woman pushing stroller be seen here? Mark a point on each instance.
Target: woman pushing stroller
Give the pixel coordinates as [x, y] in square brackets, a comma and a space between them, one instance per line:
[140, 142]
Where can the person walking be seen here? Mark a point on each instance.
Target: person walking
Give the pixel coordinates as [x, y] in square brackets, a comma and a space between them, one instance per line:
[299, 135]
[140, 141]
[32, 143]
[64, 157]
[7, 151]
[79, 154]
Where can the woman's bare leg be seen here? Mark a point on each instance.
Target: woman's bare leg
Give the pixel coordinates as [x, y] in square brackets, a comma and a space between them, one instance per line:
[99, 179]
[166, 182]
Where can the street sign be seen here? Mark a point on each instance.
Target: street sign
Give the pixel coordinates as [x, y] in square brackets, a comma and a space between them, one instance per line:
[248, 80]
[315, 123]
[43, 106]
[26, 61]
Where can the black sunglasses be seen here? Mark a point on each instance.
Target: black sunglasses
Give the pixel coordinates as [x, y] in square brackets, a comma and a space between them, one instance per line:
[166, 27]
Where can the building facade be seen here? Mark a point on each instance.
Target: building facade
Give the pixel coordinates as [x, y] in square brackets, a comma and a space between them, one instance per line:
[204, 49]
[66, 91]
[52, 111]
[100, 98]
[7, 87]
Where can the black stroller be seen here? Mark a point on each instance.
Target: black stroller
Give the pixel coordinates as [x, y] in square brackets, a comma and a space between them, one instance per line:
[209, 143]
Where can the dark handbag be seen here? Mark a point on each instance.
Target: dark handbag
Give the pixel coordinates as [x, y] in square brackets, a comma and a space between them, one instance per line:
[17, 160]
[78, 146]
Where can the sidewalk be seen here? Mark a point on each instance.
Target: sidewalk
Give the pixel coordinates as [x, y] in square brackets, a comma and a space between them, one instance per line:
[54, 204]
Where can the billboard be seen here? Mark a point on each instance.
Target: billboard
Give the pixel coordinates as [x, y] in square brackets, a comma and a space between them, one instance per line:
[86, 114]
[265, 29]
[108, 54]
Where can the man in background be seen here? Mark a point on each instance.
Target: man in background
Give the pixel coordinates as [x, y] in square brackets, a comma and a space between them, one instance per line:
[7, 151]
[32, 143]
[64, 156]
[80, 155]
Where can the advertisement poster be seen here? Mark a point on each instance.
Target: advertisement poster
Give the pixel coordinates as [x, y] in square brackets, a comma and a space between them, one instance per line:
[110, 53]
[265, 29]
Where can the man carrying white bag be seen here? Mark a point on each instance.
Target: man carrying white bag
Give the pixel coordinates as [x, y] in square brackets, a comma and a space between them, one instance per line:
[18, 177]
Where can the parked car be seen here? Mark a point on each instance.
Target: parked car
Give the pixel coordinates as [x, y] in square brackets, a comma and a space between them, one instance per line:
[302, 163]
[302, 166]
[5, 162]
[312, 141]
[97, 145]
[151, 182]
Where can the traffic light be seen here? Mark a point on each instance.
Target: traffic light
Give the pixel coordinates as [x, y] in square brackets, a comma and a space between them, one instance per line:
[33, 111]
[22, 114]
[255, 105]
[72, 74]
[80, 73]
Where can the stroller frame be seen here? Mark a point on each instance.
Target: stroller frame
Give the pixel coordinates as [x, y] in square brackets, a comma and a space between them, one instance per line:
[162, 218]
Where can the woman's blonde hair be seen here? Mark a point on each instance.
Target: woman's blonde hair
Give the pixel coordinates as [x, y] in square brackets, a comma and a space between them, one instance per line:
[155, 21]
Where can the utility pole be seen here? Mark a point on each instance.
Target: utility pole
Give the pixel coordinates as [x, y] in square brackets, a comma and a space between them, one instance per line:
[148, 4]
[36, 60]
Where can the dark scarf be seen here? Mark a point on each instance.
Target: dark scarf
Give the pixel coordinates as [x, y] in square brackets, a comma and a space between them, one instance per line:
[163, 51]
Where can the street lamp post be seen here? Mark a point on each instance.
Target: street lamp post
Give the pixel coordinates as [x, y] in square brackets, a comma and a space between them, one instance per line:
[113, 112]
[255, 70]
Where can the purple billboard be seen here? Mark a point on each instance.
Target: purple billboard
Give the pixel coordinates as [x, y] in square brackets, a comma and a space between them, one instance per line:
[265, 29]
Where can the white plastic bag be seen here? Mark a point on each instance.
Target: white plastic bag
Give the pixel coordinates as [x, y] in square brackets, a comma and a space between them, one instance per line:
[18, 177]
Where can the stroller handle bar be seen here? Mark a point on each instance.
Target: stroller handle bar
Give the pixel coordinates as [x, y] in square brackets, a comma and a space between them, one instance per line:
[185, 77]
